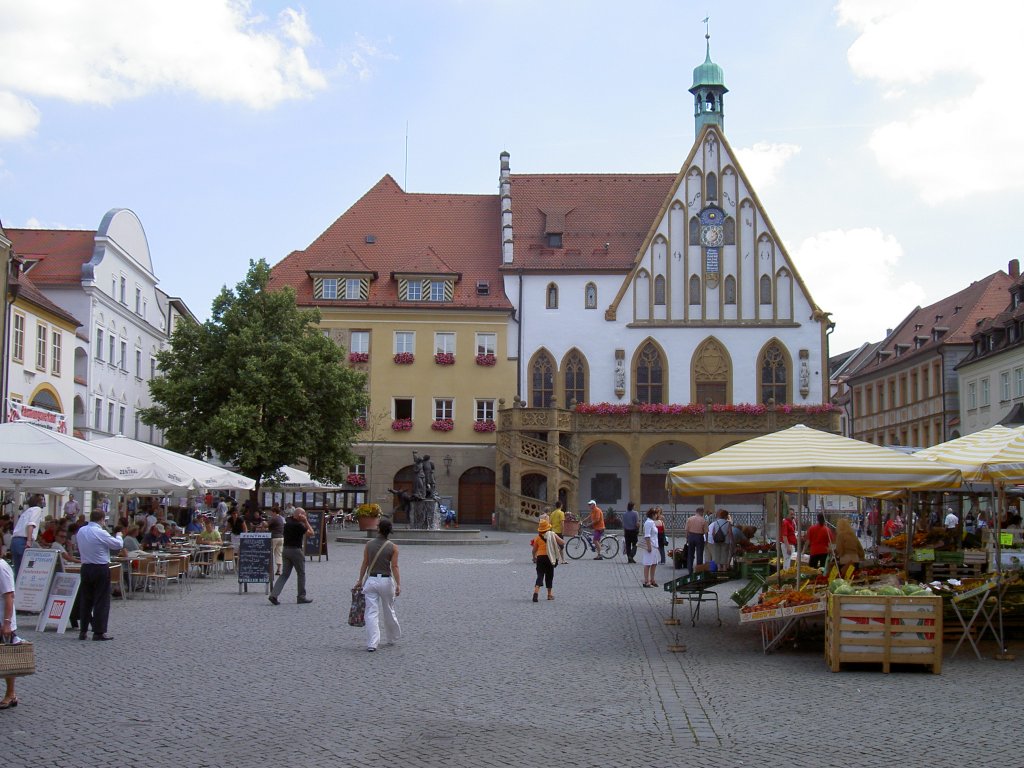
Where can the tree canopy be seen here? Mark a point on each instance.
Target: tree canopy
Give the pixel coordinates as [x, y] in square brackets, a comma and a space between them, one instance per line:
[259, 384]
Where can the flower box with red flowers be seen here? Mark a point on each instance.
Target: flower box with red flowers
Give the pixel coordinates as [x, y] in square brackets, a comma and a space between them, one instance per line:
[358, 357]
[354, 478]
[401, 425]
[404, 358]
[484, 425]
[360, 422]
[486, 360]
[752, 408]
[444, 358]
[442, 425]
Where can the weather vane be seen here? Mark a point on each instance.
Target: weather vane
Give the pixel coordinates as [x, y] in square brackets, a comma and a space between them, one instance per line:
[707, 27]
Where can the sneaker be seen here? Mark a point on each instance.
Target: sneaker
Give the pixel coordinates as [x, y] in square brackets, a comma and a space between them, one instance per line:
[535, 597]
[304, 600]
[599, 558]
[371, 650]
[274, 600]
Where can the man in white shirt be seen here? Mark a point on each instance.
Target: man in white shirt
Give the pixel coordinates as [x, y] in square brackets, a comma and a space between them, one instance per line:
[94, 548]
[26, 530]
[951, 521]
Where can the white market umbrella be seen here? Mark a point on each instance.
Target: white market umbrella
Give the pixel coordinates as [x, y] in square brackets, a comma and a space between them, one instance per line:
[189, 473]
[31, 456]
[297, 480]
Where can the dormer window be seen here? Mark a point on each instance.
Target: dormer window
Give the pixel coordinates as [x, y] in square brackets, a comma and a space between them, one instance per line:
[414, 291]
[435, 289]
[1015, 299]
[337, 288]
[554, 240]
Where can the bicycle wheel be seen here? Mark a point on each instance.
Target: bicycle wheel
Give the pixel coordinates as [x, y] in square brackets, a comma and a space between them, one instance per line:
[609, 547]
[576, 547]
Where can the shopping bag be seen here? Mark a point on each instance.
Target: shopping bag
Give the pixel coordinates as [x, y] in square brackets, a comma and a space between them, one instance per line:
[17, 660]
[357, 611]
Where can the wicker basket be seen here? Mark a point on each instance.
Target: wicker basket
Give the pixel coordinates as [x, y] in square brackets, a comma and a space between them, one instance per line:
[17, 660]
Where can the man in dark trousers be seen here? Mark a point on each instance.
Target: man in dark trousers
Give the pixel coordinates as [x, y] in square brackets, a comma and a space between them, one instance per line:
[94, 548]
[631, 531]
[295, 529]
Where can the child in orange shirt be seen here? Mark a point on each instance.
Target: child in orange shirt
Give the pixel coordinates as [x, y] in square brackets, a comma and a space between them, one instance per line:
[545, 542]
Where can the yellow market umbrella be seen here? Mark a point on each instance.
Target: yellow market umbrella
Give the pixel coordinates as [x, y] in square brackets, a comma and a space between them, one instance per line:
[801, 458]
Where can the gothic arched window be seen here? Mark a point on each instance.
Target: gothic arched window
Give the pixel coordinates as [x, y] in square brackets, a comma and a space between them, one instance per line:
[730, 230]
[590, 296]
[712, 185]
[712, 373]
[730, 289]
[575, 376]
[774, 384]
[542, 381]
[552, 296]
[694, 231]
[650, 375]
[694, 289]
[766, 290]
[659, 290]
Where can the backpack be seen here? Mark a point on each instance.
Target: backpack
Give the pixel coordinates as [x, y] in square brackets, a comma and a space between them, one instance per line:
[719, 534]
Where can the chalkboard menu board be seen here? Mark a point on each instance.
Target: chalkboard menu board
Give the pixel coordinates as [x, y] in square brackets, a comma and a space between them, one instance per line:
[316, 544]
[253, 558]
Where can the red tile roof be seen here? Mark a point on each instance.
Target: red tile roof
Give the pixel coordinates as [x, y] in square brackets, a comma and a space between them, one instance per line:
[412, 232]
[598, 209]
[27, 291]
[60, 252]
[960, 313]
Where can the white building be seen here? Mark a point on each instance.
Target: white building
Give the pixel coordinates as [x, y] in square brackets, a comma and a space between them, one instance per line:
[106, 279]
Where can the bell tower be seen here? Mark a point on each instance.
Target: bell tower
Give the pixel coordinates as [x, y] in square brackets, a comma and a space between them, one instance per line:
[708, 91]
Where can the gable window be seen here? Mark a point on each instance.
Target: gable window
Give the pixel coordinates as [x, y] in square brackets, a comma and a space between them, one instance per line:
[659, 291]
[121, 411]
[694, 231]
[138, 300]
[18, 342]
[650, 377]
[730, 289]
[329, 288]
[774, 375]
[437, 290]
[590, 296]
[575, 378]
[359, 341]
[414, 291]
[353, 288]
[111, 349]
[56, 346]
[694, 290]
[138, 363]
[110, 417]
[486, 343]
[542, 381]
[41, 341]
[124, 355]
[554, 240]
[766, 290]
[552, 296]
[444, 343]
[444, 408]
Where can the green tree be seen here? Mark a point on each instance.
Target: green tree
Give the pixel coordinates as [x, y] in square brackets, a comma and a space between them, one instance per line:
[259, 384]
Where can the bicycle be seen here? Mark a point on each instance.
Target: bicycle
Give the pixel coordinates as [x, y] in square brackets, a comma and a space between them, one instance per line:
[578, 545]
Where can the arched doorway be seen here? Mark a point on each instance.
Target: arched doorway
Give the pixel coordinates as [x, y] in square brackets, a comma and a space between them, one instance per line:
[476, 496]
[604, 477]
[656, 463]
[402, 481]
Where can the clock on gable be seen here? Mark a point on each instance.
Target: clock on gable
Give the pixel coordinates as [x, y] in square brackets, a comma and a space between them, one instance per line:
[712, 227]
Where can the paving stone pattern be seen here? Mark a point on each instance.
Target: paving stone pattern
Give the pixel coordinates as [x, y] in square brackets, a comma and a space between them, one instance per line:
[483, 677]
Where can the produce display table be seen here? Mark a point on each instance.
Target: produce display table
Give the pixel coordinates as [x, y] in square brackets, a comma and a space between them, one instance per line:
[778, 624]
[977, 599]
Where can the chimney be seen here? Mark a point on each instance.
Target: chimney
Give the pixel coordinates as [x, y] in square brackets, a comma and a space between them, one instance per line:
[1014, 268]
[505, 192]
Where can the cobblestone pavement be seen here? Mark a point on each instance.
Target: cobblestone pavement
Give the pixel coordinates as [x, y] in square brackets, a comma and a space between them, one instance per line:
[482, 677]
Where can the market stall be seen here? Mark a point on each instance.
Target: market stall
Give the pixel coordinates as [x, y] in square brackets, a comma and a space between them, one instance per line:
[800, 459]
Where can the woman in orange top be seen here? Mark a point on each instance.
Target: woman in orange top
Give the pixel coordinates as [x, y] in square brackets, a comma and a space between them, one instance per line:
[546, 541]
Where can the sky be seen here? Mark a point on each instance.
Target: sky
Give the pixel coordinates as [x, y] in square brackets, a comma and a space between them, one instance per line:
[880, 135]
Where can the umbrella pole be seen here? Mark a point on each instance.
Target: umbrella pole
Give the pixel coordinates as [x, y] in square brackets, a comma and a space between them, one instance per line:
[675, 646]
[908, 526]
[1002, 654]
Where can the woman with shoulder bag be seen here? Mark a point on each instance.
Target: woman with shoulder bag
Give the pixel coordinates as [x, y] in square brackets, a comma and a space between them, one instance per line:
[381, 583]
[10, 624]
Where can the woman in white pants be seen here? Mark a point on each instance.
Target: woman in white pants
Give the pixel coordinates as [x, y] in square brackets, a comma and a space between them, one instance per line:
[381, 583]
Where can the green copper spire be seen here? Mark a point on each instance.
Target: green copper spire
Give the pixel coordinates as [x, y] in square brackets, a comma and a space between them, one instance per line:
[708, 90]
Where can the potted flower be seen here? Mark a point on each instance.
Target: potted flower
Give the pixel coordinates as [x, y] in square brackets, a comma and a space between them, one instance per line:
[444, 358]
[360, 422]
[356, 479]
[401, 425]
[486, 360]
[358, 357]
[404, 358]
[484, 425]
[367, 515]
[442, 425]
[571, 525]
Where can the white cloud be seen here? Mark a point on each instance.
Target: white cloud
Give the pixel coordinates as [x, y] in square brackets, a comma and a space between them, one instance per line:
[763, 162]
[851, 273]
[18, 117]
[954, 96]
[105, 51]
[34, 223]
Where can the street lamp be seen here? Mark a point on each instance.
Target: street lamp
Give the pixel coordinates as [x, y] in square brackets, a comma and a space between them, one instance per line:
[447, 464]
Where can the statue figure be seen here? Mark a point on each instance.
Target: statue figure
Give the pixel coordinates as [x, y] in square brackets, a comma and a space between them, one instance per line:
[402, 500]
[620, 374]
[419, 483]
[428, 476]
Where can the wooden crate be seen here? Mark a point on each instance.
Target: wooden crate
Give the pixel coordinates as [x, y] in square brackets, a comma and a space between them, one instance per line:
[882, 629]
[943, 571]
